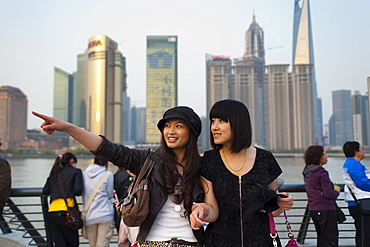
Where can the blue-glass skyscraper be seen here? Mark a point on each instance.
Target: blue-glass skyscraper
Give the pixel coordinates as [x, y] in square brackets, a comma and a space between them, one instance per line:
[342, 119]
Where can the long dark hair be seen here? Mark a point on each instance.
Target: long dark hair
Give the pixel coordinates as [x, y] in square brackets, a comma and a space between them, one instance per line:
[60, 162]
[190, 172]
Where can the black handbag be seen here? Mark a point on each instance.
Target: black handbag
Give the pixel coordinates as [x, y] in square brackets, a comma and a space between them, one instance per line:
[363, 204]
[341, 217]
[73, 218]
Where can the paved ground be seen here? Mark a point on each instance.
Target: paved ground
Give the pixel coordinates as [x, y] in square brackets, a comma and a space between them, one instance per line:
[16, 239]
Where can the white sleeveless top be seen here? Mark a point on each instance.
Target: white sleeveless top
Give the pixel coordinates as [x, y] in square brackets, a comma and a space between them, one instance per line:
[171, 224]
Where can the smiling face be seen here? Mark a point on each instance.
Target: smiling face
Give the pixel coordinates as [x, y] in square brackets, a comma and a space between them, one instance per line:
[176, 133]
[221, 131]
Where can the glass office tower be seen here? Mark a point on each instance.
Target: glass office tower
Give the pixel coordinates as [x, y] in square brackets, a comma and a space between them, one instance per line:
[161, 81]
[104, 88]
[307, 127]
[342, 117]
[63, 84]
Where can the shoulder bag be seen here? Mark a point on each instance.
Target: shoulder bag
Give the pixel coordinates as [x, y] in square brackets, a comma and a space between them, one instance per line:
[91, 198]
[292, 242]
[135, 207]
[363, 204]
[341, 217]
[73, 218]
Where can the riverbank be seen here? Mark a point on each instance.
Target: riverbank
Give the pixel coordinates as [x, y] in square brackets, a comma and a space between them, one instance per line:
[294, 155]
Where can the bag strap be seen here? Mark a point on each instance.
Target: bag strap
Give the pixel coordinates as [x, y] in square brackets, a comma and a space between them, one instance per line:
[62, 190]
[288, 227]
[272, 224]
[273, 233]
[353, 195]
[97, 187]
[146, 169]
[321, 192]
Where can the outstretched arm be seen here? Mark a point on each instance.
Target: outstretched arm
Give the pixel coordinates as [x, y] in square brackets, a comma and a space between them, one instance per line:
[89, 140]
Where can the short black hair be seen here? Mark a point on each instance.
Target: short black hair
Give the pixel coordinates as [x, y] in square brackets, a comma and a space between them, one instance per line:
[237, 114]
[350, 148]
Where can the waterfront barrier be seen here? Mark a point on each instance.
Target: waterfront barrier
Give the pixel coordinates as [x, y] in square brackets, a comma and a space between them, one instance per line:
[25, 211]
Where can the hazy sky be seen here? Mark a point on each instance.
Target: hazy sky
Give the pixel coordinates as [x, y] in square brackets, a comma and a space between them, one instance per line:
[37, 36]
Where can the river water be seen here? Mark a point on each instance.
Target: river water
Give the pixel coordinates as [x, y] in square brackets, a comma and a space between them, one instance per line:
[33, 172]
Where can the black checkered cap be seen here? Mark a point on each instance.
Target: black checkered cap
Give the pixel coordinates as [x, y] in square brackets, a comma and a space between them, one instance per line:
[185, 113]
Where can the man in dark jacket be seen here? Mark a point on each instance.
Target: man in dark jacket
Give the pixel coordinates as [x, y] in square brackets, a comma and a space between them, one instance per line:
[5, 185]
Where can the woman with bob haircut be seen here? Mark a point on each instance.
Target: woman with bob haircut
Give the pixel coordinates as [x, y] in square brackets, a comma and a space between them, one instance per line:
[321, 196]
[242, 178]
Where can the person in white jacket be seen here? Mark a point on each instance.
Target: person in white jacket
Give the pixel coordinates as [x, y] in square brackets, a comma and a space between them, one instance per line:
[99, 219]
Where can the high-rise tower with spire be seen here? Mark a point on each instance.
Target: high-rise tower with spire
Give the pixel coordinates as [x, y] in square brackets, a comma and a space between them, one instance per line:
[306, 123]
[248, 81]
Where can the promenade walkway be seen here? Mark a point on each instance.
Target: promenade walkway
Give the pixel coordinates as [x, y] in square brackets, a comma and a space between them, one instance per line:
[15, 239]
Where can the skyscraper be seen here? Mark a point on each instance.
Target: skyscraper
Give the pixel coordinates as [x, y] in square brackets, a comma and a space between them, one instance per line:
[243, 81]
[63, 88]
[218, 76]
[218, 80]
[342, 118]
[360, 111]
[278, 107]
[80, 86]
[92, 97]
[307, 129]
[161, 81]
[104, 94]
[63, 101]
[13, 117]
[248, 83]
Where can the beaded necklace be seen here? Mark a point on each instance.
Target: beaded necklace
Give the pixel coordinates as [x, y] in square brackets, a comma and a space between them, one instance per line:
[229, 166]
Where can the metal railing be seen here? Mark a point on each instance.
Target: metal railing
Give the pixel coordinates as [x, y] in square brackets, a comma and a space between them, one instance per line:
[26, 211]
[302, 227]
[27, 208]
